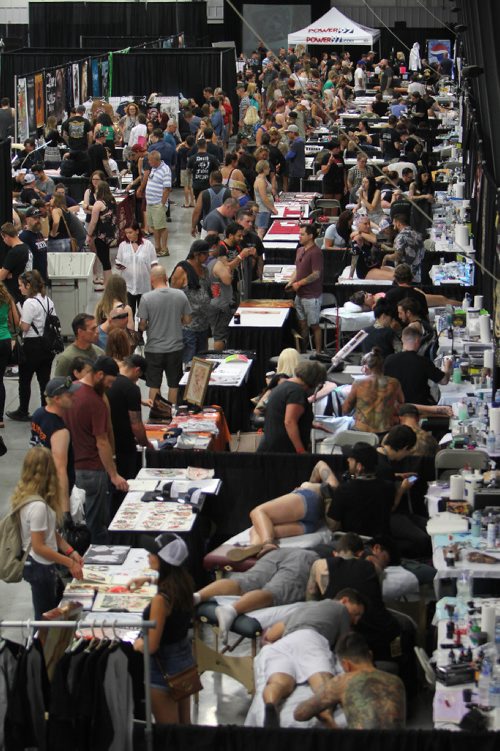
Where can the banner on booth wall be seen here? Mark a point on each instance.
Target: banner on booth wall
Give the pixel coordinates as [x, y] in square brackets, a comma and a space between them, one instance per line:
[22, 111]
[104, 78]
[68, 87]
[30, 98]
[60, 99]
[84, 88]
[96, 78]
[436, 48]
[50, 93]
[76, 84]
[39, 101]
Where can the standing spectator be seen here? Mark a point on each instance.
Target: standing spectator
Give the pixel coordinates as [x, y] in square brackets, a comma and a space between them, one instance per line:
[356, 175]
[296, 158]
[217, 118]
[191, 277]
[6, 119]
[264, 196]
[105, 125]
[244, 103]
[209, 199]
[16, 260]
[59, 240]
[33, 238]
[39, 518]
[201, 165]
[128, 428]
[446, 65]
[138, 133]
[157, 190]
[135, 259]
[218, 220]
[307, 283]
[98, 156]
[77, 131]
[164, 147]
[88, 422]
[162, 313]
[37, 359]
[127, 123]
[334, 173]
[86, 334]
[9, 321]
[360, 80]
[102, 227]
[186, 177]
[49, 429]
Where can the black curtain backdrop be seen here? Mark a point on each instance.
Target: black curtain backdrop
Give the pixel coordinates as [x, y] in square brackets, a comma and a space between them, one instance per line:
[46, 20]
[229, 738]
[5, 184]
[173, 71]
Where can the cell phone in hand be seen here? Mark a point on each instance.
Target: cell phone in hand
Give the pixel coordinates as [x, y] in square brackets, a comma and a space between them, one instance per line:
[412, 479]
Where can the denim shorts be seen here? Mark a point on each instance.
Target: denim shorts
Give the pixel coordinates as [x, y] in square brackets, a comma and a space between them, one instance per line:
[173, 658]
[314, 510]
[262, 219]
[308, 309]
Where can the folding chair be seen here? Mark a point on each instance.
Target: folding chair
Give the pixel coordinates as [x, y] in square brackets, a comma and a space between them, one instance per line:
[448, 461]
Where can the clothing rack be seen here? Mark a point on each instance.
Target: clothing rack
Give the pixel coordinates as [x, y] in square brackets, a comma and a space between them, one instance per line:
[143, 625]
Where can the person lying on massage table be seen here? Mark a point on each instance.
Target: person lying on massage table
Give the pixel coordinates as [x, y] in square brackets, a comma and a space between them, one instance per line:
[297, 513]
[300, 649]
[371, 699]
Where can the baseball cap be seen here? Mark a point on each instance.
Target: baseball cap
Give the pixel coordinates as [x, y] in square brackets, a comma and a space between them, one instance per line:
[33, 212]
[106, 364]
[169, 547]
[362, 453]
[408, 409]
[29, 178]
[61, 385]
[293, 129]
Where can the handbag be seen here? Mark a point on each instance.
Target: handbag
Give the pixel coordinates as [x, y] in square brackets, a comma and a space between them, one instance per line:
[72, 240]
[182, 684]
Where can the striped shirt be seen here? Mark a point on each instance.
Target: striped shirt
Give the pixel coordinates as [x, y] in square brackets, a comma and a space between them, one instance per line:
[159, 178]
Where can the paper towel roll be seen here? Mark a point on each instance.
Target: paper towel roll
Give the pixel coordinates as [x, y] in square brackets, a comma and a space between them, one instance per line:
[488, 616]
[488, 359]
[484, 329]
[495, 420]
[456, 488]
[459, 190]
[462, 235]
[478, 301]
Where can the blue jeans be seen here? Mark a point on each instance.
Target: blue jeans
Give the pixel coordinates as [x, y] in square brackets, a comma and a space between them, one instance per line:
[97, 502]
[194, 342]
[46, 585]
[173, 658]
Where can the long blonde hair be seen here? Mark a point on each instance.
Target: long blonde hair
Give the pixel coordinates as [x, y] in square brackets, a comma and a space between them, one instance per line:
[39, 477]
[287, 361]
[115, 289]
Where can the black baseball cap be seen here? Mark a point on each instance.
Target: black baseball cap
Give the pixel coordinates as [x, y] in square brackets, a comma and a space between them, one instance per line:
[362, 453]
[60, 385]
[33, 212]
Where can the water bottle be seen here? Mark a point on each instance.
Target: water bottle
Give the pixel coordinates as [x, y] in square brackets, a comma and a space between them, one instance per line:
[466, 302]
[491, 534]
[457, 373]
[484, 681]
[475, 527]
[494, 688]
[464, 586]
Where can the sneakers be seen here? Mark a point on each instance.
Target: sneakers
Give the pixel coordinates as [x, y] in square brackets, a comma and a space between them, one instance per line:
[19, 416]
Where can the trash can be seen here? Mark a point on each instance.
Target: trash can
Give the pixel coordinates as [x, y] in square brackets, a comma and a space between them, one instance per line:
[70, 282]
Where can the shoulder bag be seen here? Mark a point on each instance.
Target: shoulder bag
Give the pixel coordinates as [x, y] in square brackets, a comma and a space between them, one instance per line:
[72, 240]
[182, 684]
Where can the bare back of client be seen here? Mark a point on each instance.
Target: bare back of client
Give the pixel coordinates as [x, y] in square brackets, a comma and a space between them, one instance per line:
[374, 700]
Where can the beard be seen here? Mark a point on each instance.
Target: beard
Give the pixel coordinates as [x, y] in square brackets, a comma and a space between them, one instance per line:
[99, 388]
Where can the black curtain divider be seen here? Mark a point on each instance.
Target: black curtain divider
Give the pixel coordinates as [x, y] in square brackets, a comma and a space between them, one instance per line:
[173, 71]
[247, 480]
[5, 184]
[229, 738]
[47, 19]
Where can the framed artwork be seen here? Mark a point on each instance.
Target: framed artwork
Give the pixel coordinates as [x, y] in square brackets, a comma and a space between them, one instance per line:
[199, 377]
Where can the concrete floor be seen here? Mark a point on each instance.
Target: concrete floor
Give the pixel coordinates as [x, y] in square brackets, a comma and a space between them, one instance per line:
[223, 700]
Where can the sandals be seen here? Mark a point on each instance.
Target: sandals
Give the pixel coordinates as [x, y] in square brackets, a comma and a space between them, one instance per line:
[241, 553]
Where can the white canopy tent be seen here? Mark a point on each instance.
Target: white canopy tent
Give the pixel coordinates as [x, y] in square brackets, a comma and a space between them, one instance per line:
[334, 29]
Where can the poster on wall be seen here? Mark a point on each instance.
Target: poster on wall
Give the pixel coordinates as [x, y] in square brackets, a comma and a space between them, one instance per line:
[22, 111]
[68, 87]
[39, 101]
[30, 98]
[436, 48]
[50, 92]
[96, 78]
[84, 88]
[76, 84]
[60, 100]
[104, 78]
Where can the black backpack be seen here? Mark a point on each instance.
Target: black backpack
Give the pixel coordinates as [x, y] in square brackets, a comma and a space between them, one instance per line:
[51, 336]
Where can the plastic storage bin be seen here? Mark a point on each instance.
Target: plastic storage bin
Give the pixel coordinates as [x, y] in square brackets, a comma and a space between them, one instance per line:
[70, 285]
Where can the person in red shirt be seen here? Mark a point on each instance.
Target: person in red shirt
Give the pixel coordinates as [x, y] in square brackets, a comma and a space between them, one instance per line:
[89, 424]
[307, 282]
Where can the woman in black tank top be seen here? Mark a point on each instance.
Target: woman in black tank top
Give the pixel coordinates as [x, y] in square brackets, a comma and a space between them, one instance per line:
[172, 609]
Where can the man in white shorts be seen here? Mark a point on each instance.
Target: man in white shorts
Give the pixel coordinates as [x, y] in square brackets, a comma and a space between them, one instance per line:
[300, 649]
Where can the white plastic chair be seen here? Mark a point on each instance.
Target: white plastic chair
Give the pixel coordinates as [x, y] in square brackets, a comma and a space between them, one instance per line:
[347, 438]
